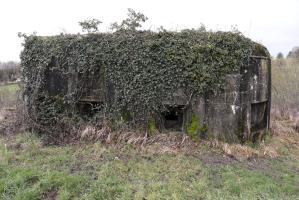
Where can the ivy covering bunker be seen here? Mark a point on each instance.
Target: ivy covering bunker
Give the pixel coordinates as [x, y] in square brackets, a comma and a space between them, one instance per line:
[129, 74]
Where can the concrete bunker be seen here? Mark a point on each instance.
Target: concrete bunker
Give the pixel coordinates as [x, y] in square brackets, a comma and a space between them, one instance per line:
[241, 112]
[238, 112]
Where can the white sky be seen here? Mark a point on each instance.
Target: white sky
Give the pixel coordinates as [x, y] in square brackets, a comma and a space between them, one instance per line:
[275, 23]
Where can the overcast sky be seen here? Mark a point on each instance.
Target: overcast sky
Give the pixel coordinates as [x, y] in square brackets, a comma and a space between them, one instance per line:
[275, 23]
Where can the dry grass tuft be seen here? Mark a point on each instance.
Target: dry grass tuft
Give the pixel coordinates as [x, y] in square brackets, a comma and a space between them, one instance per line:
[91, 133]
[269, 151]
[282, 133]
[172, 142]
[240, 152]
[244, 152]
[283, 127]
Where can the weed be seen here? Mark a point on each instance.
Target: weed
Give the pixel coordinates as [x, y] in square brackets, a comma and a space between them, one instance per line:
[193, 128]
[152, 127]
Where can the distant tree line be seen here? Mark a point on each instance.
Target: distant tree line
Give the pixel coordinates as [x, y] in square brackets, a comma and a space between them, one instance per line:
[280, 55]
[9, 71]
[294, 53]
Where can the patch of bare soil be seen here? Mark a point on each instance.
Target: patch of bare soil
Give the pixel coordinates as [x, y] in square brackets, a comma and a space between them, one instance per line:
[10, 122]
[260, 164]
[216, 159]
[50, 195]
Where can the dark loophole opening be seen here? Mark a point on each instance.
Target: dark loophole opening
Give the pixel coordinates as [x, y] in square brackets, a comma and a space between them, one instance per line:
[88, 109]
[173, 118]
[259, 116]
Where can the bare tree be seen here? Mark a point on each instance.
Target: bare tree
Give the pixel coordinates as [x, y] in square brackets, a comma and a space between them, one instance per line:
[133, 21]
[90, 26]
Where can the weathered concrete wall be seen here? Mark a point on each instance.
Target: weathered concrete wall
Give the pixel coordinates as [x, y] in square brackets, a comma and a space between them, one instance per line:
[242, 111]
[223, 114]
[260, 95]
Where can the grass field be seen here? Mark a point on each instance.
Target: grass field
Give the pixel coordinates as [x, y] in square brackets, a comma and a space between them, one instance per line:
[9, 89]
[29, 170]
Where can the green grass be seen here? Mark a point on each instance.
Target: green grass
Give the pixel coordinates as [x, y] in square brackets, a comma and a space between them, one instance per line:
[10, 88]
[8, 95]
[29, 170]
